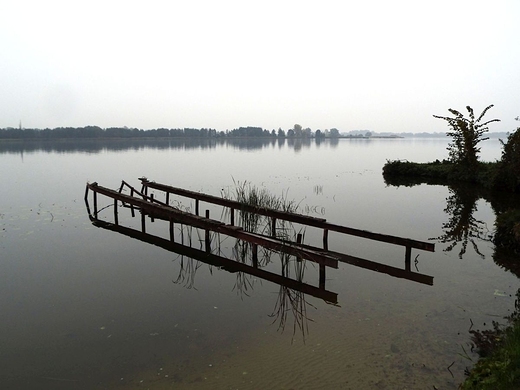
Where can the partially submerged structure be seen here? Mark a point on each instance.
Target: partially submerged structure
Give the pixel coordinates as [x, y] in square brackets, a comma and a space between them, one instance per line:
[152, 207]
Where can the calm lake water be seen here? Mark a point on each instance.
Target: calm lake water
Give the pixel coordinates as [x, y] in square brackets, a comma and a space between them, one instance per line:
[83, 307]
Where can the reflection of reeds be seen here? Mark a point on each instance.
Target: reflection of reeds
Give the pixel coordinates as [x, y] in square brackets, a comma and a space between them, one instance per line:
[292, 301]
[187, 271]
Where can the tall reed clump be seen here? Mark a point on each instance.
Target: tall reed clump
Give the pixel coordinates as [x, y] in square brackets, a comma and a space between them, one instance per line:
[261, 198]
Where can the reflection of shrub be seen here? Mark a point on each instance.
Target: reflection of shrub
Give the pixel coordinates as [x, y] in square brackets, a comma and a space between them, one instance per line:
[508, 176]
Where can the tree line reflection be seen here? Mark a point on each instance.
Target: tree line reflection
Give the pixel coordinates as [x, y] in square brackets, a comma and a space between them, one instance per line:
[98, 146]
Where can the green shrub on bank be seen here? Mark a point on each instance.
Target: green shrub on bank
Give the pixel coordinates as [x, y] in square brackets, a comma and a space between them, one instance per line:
[508, 174]
[507, 234]
[441, 171]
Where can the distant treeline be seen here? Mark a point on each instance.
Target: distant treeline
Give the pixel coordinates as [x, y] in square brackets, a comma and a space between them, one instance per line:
[95, 132]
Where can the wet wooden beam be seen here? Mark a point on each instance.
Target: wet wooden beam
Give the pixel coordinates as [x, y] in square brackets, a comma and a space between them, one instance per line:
[378, 267]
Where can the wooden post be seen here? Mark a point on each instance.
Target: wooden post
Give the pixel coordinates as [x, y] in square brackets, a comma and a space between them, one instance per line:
[299, 241]
[172, 237]
[151, 214]
[95, 204]
[408, 258]
[143, 221]
[254, 248]
[322, 276]
[232, 216]
[207, 238]
[196, 207]
[326, 239]
[116, 219]
[132, 206]
[273, 227]
[167, 198]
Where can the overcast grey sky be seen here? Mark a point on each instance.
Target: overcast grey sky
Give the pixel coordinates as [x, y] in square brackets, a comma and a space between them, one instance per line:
[376, 65]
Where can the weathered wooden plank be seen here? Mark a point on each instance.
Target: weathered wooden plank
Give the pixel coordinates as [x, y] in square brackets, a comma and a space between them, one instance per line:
[297, 218]
[378, 267]
[292, 217]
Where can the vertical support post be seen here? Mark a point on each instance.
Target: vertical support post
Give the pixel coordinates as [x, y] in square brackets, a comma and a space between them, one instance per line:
[254, 248]
[132, 206]
[116, 219]
[143, 221]
[152, 219]
[408, 259]
[232, 216]
[326, 239]
[167, 198]
[196, 207]
[95, 204]
[322, 276]
[207, 236]
[299, 241]
[172, 237]
[273, 227]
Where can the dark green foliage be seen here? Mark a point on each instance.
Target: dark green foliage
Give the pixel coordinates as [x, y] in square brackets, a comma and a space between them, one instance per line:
[440, 172]
[508, 175]
[466, 133]
[507, 233]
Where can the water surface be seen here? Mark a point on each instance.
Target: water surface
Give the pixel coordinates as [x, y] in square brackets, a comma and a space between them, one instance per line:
[83, 307]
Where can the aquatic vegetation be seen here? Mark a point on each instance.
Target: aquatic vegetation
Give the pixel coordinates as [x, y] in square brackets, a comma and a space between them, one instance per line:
[260, 198]
[499, 348]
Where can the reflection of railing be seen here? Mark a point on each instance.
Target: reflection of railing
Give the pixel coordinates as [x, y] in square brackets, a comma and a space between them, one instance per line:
[218, 261]
[324, 257]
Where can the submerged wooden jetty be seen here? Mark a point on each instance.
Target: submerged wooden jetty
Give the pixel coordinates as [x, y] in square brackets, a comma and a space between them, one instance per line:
[149, 205]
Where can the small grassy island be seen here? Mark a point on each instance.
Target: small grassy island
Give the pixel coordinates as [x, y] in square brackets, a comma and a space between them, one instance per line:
[499, 348]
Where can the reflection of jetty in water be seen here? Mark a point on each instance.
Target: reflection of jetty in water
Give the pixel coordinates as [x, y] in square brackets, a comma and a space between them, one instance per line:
[252, 254]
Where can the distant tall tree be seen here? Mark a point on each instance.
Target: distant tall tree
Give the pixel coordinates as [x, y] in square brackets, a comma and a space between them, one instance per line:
[297, 130]
[334, 133]
[508, 176]
[466, 133]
